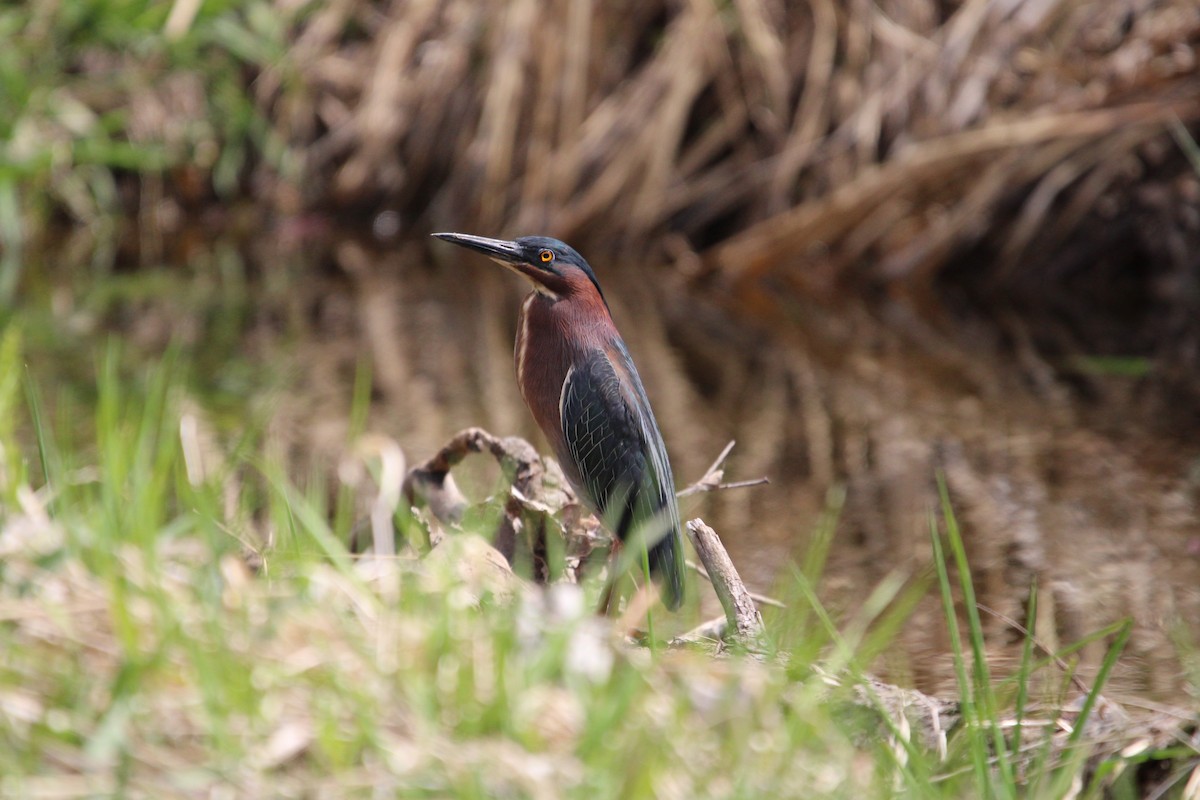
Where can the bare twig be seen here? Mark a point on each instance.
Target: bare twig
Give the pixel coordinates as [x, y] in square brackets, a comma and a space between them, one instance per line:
[740, 611]
[702, 486]
[719, 462]
[713, 476]
[1021, 629]
[712, 630]
[761, 599]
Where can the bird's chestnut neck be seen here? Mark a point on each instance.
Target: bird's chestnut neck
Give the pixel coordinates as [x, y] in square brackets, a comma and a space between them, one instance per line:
[576, 305]
[569, 284]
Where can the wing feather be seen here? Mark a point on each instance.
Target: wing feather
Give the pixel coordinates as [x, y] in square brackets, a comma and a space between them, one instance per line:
[621, 459]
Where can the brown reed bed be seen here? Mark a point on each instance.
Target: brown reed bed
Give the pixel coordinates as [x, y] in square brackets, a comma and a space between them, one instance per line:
[1035, 147]
[890, 135]
[1029, 152]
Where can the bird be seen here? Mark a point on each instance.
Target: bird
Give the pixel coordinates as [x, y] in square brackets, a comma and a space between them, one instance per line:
[579, 381]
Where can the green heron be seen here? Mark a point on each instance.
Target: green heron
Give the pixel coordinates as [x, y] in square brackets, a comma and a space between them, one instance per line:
[580, 383]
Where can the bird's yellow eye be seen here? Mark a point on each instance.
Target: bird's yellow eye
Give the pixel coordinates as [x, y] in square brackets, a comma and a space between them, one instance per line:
[546, 256]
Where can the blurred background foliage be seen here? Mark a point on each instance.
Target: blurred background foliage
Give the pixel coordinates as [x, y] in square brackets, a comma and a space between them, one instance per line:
[871, 240]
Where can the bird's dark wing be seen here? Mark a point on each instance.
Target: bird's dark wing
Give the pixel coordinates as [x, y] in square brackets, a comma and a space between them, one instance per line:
[621, 460]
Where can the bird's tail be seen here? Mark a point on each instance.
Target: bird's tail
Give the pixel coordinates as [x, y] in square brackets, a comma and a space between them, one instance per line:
[666, 561]
[656, 536]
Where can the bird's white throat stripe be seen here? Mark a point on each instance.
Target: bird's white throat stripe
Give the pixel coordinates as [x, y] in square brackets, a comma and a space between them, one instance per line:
[523, 339]
[562, 392]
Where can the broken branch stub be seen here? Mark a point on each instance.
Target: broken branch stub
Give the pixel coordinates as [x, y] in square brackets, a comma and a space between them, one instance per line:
[740, 610]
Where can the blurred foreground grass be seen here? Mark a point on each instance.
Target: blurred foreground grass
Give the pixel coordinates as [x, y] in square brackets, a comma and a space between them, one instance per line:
[179, 619]
[143, 657]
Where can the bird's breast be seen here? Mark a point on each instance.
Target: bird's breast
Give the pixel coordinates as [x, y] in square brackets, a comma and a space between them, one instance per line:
[550, 338]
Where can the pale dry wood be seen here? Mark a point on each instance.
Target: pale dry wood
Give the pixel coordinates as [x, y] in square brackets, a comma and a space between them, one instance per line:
[740, 610]
[391, 478]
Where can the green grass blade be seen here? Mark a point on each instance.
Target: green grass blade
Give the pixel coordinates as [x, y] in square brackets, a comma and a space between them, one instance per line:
[1186, 143]
[360, 406]
[795, 629]
[971, 721]
[1090, 700]
[41, 432]
[1024, 671]
[985, 700]
[847, 660]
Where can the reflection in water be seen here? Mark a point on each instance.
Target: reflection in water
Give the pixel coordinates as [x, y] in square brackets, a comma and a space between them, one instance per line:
[835, 401]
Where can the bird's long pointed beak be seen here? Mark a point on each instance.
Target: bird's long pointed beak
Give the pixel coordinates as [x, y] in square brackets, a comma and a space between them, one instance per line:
[499, 250]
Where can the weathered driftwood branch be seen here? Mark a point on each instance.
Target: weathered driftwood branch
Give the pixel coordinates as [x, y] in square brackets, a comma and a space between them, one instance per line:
[532, 498]
[740, 611]
[433, 483]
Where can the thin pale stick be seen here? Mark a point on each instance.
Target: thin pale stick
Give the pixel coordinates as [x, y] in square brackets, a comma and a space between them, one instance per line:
[761, 599]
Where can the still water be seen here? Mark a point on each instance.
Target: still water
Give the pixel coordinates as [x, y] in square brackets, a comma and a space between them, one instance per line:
[835, 407]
